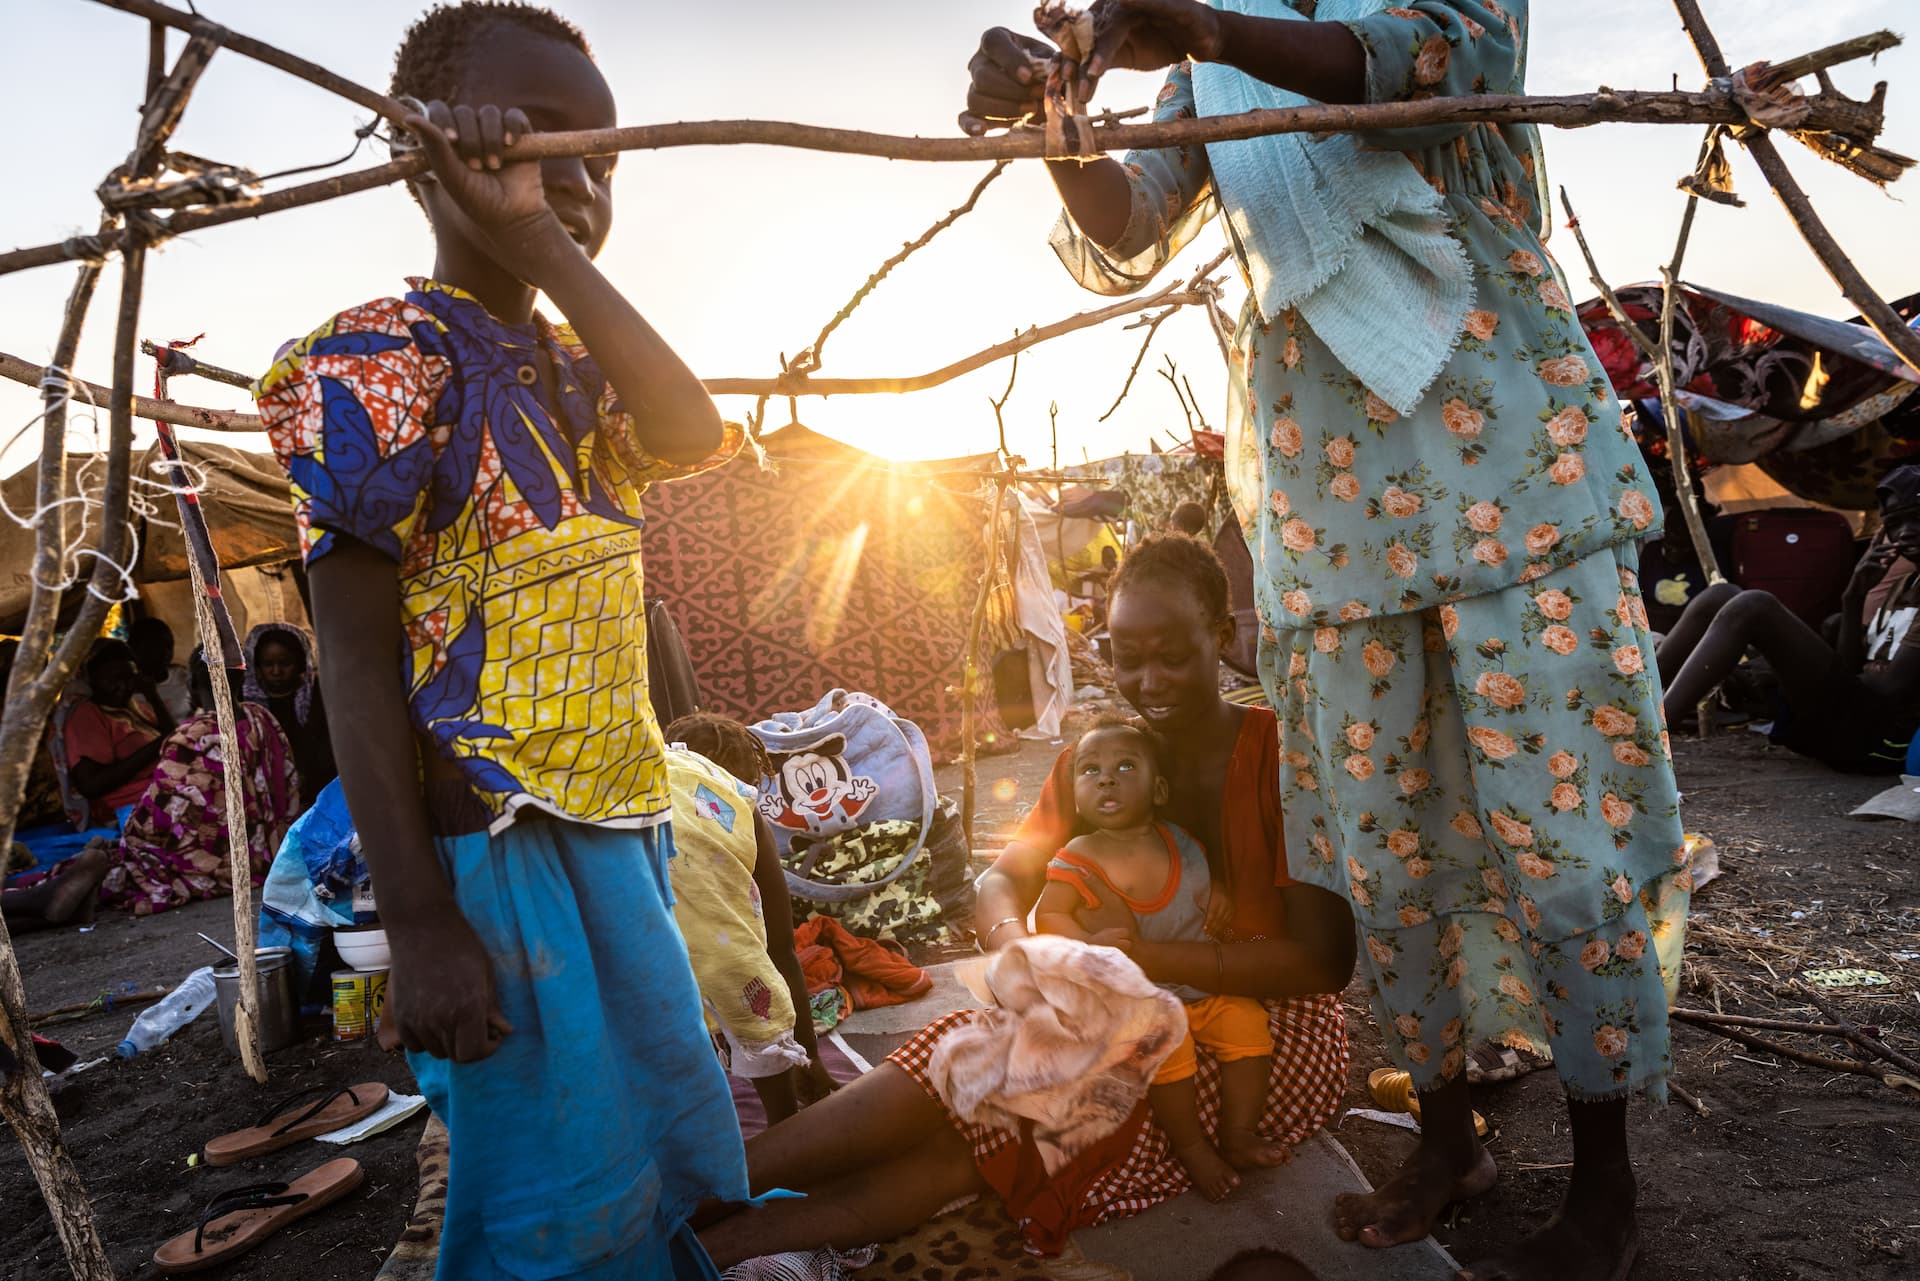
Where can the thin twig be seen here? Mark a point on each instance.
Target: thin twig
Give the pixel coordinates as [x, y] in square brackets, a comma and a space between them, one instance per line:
[1712, 1018]
[1867, 46]
[1871, 1044]
[1854, 1066]
[1152, 324]
[809, 359]
[1615, 307]
[260, 51]
[1678, 455]
[1688, 1097]
[180, 365]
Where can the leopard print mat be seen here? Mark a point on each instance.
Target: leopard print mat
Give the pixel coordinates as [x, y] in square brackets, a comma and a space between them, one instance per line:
[976, 1242]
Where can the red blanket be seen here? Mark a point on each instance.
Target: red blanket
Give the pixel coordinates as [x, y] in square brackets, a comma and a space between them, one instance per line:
[872, 973]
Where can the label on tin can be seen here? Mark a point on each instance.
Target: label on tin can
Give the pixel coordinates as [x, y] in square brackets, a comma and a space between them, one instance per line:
[352, 1014]
[376, 999]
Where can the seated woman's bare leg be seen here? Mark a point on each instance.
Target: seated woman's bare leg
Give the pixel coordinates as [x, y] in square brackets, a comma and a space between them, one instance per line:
[893, 1191]
[865, 1123]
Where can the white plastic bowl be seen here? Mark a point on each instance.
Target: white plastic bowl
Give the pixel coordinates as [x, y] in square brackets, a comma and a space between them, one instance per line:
[363, 949]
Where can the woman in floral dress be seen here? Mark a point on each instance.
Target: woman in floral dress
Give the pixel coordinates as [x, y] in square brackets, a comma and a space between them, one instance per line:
[1441, 511]
[174, 846]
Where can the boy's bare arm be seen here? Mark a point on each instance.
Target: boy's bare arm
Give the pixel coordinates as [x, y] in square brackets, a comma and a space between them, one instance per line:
[441, 1000]
[674, 419]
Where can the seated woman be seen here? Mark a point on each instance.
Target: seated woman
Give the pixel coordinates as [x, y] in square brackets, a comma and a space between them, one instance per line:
[884, 1153]
[173, 848]
[113, 735]
[1854, 704]
[282, 678]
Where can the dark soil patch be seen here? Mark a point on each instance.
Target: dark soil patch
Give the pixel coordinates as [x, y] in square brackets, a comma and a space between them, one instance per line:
[141, 1119]
[1795, 1174]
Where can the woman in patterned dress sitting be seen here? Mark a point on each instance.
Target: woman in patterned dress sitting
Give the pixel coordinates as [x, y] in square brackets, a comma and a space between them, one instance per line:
[885, 1154]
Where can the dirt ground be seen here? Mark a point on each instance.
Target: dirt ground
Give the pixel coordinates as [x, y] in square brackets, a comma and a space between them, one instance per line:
[1795, 1173]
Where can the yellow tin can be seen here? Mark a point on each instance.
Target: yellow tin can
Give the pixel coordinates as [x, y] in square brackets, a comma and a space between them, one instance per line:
[359, 996]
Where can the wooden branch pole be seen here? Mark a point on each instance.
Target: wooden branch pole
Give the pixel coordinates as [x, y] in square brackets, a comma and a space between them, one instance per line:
[970, 679]
[32, 688]
[1883, 319]
[1678, 456]
[1828, 113]
[246, 1013]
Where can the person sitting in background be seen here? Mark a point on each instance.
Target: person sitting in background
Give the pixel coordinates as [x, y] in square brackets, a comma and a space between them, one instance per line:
[730, 902]
[174, 846]
[113, 735]
[281, 677]
[152, 643]
[41, 802]
[1189, 518]
[1854, 703]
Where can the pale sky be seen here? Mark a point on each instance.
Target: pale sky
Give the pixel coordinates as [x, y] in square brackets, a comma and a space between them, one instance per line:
[737, 254]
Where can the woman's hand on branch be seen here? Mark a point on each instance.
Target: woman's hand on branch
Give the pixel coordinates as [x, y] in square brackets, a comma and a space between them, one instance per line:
[504, 199]
[1008, 80]
[1146, 35]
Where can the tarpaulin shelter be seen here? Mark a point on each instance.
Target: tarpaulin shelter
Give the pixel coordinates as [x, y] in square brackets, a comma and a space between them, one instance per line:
[248, 509]
[834, 569]
[1823, 406]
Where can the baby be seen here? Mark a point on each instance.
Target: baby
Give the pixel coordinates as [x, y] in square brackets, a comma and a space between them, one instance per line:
[1134, 877]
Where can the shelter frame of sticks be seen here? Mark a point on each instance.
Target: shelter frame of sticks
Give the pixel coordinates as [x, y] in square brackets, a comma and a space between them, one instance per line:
[155, 195]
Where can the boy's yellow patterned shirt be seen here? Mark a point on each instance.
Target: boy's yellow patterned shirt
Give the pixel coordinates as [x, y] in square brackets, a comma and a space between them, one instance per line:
[426, 428]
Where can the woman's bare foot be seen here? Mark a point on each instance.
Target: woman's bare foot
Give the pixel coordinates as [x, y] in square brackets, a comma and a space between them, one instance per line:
[73, 893]
[1585, 1242]
[1246, 1150]
[1407, 1206]
[1212, 1176]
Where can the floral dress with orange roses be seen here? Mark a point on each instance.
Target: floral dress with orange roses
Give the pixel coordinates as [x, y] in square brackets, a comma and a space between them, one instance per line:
[1453, 635]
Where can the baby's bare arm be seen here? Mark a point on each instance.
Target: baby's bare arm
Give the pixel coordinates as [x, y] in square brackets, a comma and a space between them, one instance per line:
[1058, 911]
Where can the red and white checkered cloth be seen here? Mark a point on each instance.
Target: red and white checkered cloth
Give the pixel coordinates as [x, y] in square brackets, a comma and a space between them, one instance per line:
[1305, 1091]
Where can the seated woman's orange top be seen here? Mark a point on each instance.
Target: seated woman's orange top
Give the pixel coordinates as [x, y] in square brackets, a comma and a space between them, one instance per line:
[1255, 857]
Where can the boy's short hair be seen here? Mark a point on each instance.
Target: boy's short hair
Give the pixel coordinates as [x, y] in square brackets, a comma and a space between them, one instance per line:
[1156, 750]
[1181, 563]
[429, 62]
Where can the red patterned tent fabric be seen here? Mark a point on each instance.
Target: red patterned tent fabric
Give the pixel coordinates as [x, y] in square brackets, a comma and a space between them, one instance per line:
[839, 569]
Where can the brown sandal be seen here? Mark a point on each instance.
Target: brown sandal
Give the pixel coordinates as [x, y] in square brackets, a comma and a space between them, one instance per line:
[241, 1218]
[332, 1109]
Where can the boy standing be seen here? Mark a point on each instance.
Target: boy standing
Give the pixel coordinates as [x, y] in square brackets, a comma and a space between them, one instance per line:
[467, 479]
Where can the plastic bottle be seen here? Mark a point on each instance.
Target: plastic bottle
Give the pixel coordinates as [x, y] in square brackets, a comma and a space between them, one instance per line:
[173, 1012]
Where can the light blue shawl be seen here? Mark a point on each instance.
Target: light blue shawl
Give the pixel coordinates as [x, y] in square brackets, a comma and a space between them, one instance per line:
[1353, 238]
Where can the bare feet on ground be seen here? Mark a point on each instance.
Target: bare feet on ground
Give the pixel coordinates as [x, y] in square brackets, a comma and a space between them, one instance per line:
[1245, 1150]
[1212, 1176]
[1593, 1238]
[1409, 1204]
